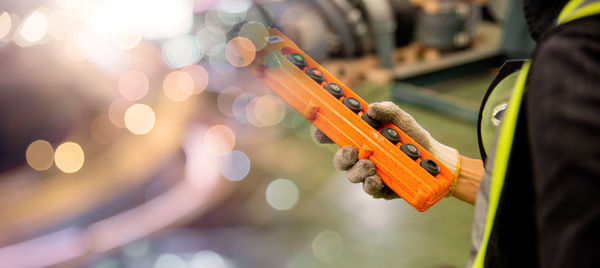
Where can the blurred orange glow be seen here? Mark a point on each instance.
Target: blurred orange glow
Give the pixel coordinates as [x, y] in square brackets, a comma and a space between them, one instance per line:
[178, 86]
[133, 85]
[139, 119]
[219, 140]
[269, 110]
[69, 157]
[199, 75]
[40, 155]
[116, 112]
[5, 24]
[103, 131]
[240, 51]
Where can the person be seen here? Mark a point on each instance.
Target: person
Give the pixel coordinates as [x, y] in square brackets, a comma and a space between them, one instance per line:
[537, 201]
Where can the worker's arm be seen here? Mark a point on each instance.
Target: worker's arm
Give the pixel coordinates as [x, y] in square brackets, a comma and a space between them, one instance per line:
[469, 176]
[470, 171]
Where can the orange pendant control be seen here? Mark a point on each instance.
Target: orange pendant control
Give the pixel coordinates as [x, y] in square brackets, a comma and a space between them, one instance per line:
[403, 165]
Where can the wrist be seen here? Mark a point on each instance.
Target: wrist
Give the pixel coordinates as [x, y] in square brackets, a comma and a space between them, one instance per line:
[469, 176]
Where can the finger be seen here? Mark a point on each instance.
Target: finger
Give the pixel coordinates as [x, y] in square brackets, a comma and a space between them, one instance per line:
[320, 137]
[373, 185]
[389, 112]
[387, 194]
[345, 157]
[362, 169]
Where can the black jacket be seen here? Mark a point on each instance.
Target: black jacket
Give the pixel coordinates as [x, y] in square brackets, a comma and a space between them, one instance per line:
[551, 211]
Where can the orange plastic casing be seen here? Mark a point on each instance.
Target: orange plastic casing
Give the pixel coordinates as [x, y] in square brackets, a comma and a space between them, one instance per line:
[344, 127]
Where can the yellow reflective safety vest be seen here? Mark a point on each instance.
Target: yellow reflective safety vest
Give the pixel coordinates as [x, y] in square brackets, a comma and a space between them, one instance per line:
[501, 245]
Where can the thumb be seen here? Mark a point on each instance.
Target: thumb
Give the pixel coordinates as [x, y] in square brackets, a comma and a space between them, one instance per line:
[390, 112]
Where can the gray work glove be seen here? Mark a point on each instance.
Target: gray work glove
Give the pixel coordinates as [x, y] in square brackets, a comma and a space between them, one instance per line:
[346, 158]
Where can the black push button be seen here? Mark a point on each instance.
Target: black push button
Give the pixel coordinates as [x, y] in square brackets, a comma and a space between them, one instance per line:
[390, 134]
[410, 150]
[334, 89]
[315, 74]
[297, 60]
[372, 122]
[430, 166]
[353, 104]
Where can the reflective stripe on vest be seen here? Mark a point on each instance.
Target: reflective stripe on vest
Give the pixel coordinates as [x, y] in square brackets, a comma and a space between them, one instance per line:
[501, 158]
[574, 9]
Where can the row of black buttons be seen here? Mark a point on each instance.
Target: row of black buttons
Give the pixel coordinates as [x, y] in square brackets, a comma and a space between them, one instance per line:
[354, 105]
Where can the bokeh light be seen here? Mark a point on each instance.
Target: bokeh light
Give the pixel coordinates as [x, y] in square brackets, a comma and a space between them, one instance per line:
[219, 140]
[235, 165]
[169, 261]
[269, 110]
[282, 194]
[207, 258]
[40, 155]
[5, 24]
[139, 119]
[137, 249]
[133, 85]
[35, 27]
[226, 98]
[239, 107]
[178, 86]
[211, 36]
[232, 11]
[234, 6]
[218, 61]
[240, 51]
[103, 131]
[116, 112]
[69, 157]
[182, 51]
[199, 75]
[327, 246]
[256, 32]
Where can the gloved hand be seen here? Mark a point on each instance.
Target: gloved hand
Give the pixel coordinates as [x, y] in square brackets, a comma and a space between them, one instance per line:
[346, 158]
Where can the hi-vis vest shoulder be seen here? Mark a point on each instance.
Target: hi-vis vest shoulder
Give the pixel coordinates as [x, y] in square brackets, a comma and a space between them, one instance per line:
[504, 103]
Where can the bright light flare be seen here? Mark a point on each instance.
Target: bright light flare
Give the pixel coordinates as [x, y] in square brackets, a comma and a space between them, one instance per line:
[35, 27]
[155, 18]
[126, 39]
[139, 119]
[40, 155]
[5, 24]
[69, 157]
[219, 140]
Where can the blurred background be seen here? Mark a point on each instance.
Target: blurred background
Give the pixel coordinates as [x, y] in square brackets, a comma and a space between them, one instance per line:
[130, 138]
